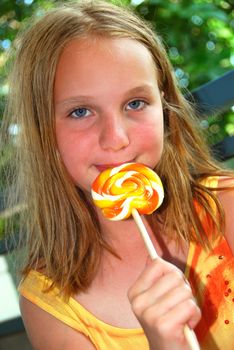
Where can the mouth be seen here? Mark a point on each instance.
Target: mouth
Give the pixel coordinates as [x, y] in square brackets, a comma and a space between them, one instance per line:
[102, 167]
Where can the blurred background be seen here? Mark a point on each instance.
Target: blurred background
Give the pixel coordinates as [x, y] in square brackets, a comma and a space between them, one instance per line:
[200, 43]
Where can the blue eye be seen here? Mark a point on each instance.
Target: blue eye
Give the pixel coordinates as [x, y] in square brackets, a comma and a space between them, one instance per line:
[136, 104]
[80, 112]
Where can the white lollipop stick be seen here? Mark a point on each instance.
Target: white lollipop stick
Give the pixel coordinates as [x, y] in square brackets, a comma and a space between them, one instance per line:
[188, 333]
[144, 234]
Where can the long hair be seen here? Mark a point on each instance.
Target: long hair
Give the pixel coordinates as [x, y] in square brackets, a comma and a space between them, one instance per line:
[62, 232]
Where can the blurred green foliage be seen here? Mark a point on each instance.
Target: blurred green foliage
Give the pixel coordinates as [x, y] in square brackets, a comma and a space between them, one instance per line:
[2, 228]
[198, 35]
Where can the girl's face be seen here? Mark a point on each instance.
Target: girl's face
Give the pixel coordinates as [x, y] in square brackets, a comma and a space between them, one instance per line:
[108, 107]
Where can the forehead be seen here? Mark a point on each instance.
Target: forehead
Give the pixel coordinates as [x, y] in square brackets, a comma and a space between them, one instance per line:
[110, 48]
[94, 61]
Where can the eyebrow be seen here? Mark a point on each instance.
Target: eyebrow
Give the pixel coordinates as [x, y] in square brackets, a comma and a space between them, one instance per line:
[146, 88]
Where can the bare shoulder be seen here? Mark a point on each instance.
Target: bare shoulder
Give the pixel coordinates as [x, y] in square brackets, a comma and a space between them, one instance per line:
[227, 200]
[45, 332]
[226, 181]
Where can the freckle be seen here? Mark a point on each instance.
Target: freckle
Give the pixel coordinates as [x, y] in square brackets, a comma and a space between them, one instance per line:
[226, 321]
[229, 290]
[221, 257]
[226, 282]
[233, 300]
[208, 276]
[226, 294]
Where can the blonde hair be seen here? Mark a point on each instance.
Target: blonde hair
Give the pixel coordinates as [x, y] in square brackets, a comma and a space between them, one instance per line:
[62, 230]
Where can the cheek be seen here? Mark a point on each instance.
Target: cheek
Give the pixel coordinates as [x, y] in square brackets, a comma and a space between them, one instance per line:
[72, 158]
[71, 143]
[150, 135]
[68, 147]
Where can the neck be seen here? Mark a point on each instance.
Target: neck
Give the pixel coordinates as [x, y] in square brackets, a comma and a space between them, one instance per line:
[125, 238]
[124, 235]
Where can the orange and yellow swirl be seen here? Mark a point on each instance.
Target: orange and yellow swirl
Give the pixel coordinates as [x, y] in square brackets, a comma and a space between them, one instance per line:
[117, 191]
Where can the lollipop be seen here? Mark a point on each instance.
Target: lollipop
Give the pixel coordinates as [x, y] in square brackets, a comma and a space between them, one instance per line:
[132, 189]
[119, 190]
[129, 189]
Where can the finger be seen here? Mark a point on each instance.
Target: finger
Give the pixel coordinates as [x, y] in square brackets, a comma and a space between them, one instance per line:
[150, 275]
[167, 283]
[185, 313]
[147, 306]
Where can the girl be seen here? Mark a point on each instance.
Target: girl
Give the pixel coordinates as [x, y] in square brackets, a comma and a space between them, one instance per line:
[92, 88]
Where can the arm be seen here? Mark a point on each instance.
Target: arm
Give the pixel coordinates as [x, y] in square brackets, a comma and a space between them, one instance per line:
[227, 201]
[162, 301]
[45, 332]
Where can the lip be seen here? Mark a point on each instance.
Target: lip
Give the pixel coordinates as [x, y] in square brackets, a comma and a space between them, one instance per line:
[102, 167]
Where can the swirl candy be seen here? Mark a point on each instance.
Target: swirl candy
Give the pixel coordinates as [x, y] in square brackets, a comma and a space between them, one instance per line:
[117, 191]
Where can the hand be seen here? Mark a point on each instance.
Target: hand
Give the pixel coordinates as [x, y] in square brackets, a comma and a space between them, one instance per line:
[163, 303]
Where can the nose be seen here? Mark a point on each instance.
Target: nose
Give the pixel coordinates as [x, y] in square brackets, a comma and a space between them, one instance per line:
[114, 133]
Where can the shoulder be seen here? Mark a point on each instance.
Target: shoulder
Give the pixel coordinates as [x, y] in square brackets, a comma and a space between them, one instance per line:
[45, 332]
[226, 181]
[226, 197]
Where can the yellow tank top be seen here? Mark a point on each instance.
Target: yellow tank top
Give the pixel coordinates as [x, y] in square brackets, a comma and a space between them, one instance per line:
[211, 274]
